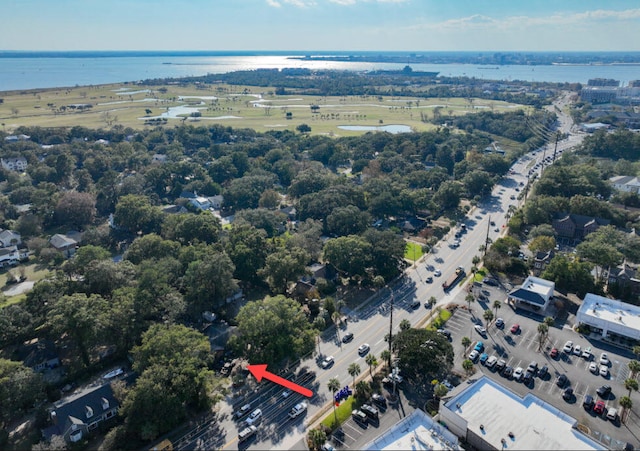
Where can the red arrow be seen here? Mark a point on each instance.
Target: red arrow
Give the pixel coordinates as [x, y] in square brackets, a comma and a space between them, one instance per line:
[260, 371]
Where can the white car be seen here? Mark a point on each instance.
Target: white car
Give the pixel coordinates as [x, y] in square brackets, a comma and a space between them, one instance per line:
[255, 416]
[604, 370]
[481, 330]
[604, 359]
[327, 362]
[298, 410]
[577, 350]
[363, 348]
[593, 367]
[518, 374]
[568, 347]
[437, 273]
[473, 355]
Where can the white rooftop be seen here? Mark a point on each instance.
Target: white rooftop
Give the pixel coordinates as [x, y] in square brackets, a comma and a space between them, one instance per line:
[417, 431]
[541, 286]
[612, 314]
[523, 423]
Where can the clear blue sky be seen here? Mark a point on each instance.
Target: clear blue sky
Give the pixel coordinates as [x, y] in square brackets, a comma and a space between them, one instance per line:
[475, 25]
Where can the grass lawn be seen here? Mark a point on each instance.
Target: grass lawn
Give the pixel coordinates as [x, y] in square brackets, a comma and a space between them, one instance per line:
[33, 272]
[441, 320]
[480, 274]
[343, 412]
[413, 251]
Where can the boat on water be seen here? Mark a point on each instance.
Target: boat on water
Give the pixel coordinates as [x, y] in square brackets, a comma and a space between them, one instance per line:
[488, 67]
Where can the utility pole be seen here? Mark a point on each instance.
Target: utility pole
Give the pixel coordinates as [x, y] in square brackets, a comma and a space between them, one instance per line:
[555, 149]
[486, 240]
[390, 328]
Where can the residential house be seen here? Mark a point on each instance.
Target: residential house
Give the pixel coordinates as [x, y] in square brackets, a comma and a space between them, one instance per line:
[40, 355]
[625, 276]
[10, 238]
[173, 209]
[16, 138]
[574, 228]
[12, 255]
[201, 203]
[64, 244]
[626, 183]
[76, 417]
[18, 164]
[541, 260]
[216, 201]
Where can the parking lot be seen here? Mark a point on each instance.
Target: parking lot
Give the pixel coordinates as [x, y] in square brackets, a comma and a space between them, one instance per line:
[521, 348]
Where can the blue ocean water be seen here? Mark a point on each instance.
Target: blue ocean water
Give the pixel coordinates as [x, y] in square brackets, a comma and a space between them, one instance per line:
[33, 70]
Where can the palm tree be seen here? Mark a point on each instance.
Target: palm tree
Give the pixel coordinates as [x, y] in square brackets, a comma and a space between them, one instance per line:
[466, 341]
[496, 306]
[334, 385]
[634, 367]
[543, 331]
[488, 316]
[636, 351]
[363, 390]
[372, 362]
[626, 404]
[316, 438]
[432, 301]
[468, 366]
[440, 390]
[549, 321]
[469, 298]
[405, 324]
[385, 356]
[354, 370]
[631, 385]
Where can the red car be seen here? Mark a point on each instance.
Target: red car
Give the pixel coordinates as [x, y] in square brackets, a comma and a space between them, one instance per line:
[515, 328]
[599, 407]
[554, 353]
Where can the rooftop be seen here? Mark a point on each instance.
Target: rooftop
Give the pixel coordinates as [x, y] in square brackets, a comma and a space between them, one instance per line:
[416, 431]
[620, 315]
[495, 413]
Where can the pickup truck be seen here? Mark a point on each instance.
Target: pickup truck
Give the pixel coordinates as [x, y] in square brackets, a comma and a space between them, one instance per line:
[454, 279]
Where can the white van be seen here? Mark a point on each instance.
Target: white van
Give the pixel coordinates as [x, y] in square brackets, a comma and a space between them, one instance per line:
[612, 414]
[255, 416]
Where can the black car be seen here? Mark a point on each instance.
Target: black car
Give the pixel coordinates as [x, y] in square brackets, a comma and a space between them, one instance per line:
[347, 337]
[489, 281]
[528, 377]
[562, 380]
[500, 365]
[604, 391]
[379, 399]
[542, 372]
[507, 372]
[429, 279]
[588, 402]
[567, 394]
[444, 332]
[370, 411]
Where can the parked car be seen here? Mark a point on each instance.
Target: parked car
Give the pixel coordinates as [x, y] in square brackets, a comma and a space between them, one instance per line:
[554, 353]
[483, 358]
[568, 347]
[473, 355]
[562, 380]
[444, 332]
[327, 362]
[479, 346]
[515, 328]
[499, 323]
[500, 365]
[491, 362]
[567, 395]
[518, 374]
[604, 391]
[359, 415]
[612, 414]
[593, 367]
[577, 350]
[346, 338]
[527, 378]
[437, 273]
[604, 359]
[599, 407]
[604, 371]
[370, 411]
[586, 354]
[533, 367]
[489, 281]
[542, 372]
[507, 372]
[379, 399]
[588, 402]
[481, 330]
[363, 348]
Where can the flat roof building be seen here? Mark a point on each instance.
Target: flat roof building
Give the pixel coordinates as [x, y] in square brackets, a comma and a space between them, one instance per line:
[609, 317]
[417, 431]
[490, 416]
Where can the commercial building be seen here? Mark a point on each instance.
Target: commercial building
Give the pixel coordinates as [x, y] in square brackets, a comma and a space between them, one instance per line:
[534, 292]
[611, 319]
[490, 416]
[417, 431]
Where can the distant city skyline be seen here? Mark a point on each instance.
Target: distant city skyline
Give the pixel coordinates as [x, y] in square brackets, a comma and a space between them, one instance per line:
[366, 25]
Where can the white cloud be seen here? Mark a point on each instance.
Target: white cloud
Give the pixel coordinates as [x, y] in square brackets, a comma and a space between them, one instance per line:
[297, 3]
[273, 3]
